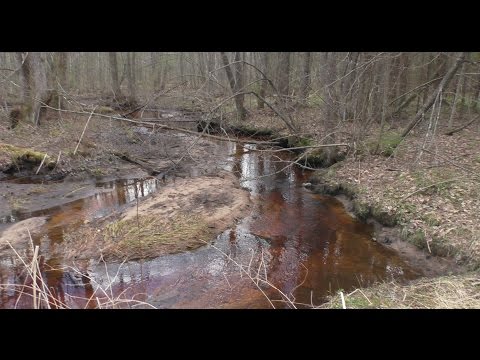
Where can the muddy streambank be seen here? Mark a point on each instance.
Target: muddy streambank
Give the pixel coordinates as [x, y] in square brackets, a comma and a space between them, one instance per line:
[385, 231]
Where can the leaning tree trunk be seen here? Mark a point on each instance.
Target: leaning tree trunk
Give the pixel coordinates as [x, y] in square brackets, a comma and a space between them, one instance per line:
[454, 103]
[241, 112]
[428, 104]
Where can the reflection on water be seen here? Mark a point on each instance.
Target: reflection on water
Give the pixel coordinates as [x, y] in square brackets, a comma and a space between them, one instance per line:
[114, 197]
[304, 244]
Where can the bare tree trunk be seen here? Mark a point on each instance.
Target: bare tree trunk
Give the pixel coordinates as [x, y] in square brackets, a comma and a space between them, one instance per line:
[305, 79]
[284, 74]
[35, 90]
[241, 112]
[154, 59]
[386, 88]
[330, 92]
[132, 88]
[182, 69]
[464, 93]
[60, 79]
[24, 76]
[263, 85]
[239, 80]
[402, 83]
[446, 79]
[350, 81]
[117, 93]
[163, 80]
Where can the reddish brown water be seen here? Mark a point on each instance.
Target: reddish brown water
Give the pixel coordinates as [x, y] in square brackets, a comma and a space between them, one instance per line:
[304, 245]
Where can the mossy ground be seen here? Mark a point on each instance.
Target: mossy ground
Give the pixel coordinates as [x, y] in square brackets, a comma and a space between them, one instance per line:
[15, 158]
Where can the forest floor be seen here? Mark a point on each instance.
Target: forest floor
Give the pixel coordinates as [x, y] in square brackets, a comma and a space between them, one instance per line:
[424, 189]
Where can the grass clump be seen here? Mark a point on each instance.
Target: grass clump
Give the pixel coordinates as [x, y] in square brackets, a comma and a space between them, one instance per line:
[446, 292]
[152, 236]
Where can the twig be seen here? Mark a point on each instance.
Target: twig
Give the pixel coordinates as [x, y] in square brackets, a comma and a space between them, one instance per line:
[343, 300]
[41, 164]
[429, 186]
[451, 132]
[34, 277]
[71, 192]
[361, 292]
[85, 128]
[451, 162]
[58, 159]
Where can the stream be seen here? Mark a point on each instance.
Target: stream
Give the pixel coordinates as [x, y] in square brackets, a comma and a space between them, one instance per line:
[303, 246]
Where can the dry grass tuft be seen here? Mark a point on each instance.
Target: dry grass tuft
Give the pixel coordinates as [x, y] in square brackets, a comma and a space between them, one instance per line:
[150, 237]
[446, 292]
[35, 287]
[153, 236]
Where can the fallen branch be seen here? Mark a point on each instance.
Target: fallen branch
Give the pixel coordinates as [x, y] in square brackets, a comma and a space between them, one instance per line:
[43, 160]
[451, 162]
[343, 300]
[416, 88]
[143, 164]
[167, 127]
[83, 132]
[429, 186]
[451, 132]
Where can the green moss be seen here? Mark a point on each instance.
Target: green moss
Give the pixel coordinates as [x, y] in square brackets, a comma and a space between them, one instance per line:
[361, 209]
[439, 246]
[302, 141]
[20, 157]
[383, 217]
[97, 172]
[315, 99]
[17, 153]
[387, 144]
[104, 110]
[434, 177]
[317, 158]
[418, 239]
[430, 220]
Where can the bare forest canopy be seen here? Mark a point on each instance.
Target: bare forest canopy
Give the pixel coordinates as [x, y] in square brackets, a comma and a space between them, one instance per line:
[394, 90]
